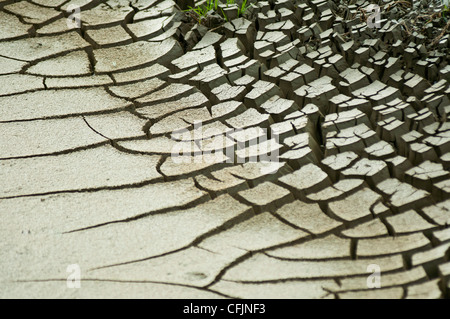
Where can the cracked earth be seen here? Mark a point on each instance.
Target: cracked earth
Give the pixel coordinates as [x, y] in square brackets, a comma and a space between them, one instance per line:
[89, 118]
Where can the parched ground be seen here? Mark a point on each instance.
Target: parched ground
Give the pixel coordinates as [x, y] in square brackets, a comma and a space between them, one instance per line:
[89, 119]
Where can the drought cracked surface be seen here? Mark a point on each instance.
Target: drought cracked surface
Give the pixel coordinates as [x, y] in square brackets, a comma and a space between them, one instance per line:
[89, 118]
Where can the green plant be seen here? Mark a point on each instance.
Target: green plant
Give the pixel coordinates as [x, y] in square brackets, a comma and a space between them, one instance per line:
[200, 12]
[224, 15]
[241, 10]
[203, 10]
[445, 12]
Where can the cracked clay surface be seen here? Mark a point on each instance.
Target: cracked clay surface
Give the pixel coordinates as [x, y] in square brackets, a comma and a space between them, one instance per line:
[90, 116]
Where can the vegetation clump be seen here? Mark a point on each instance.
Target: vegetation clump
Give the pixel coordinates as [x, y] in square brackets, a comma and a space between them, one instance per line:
[213, 12]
